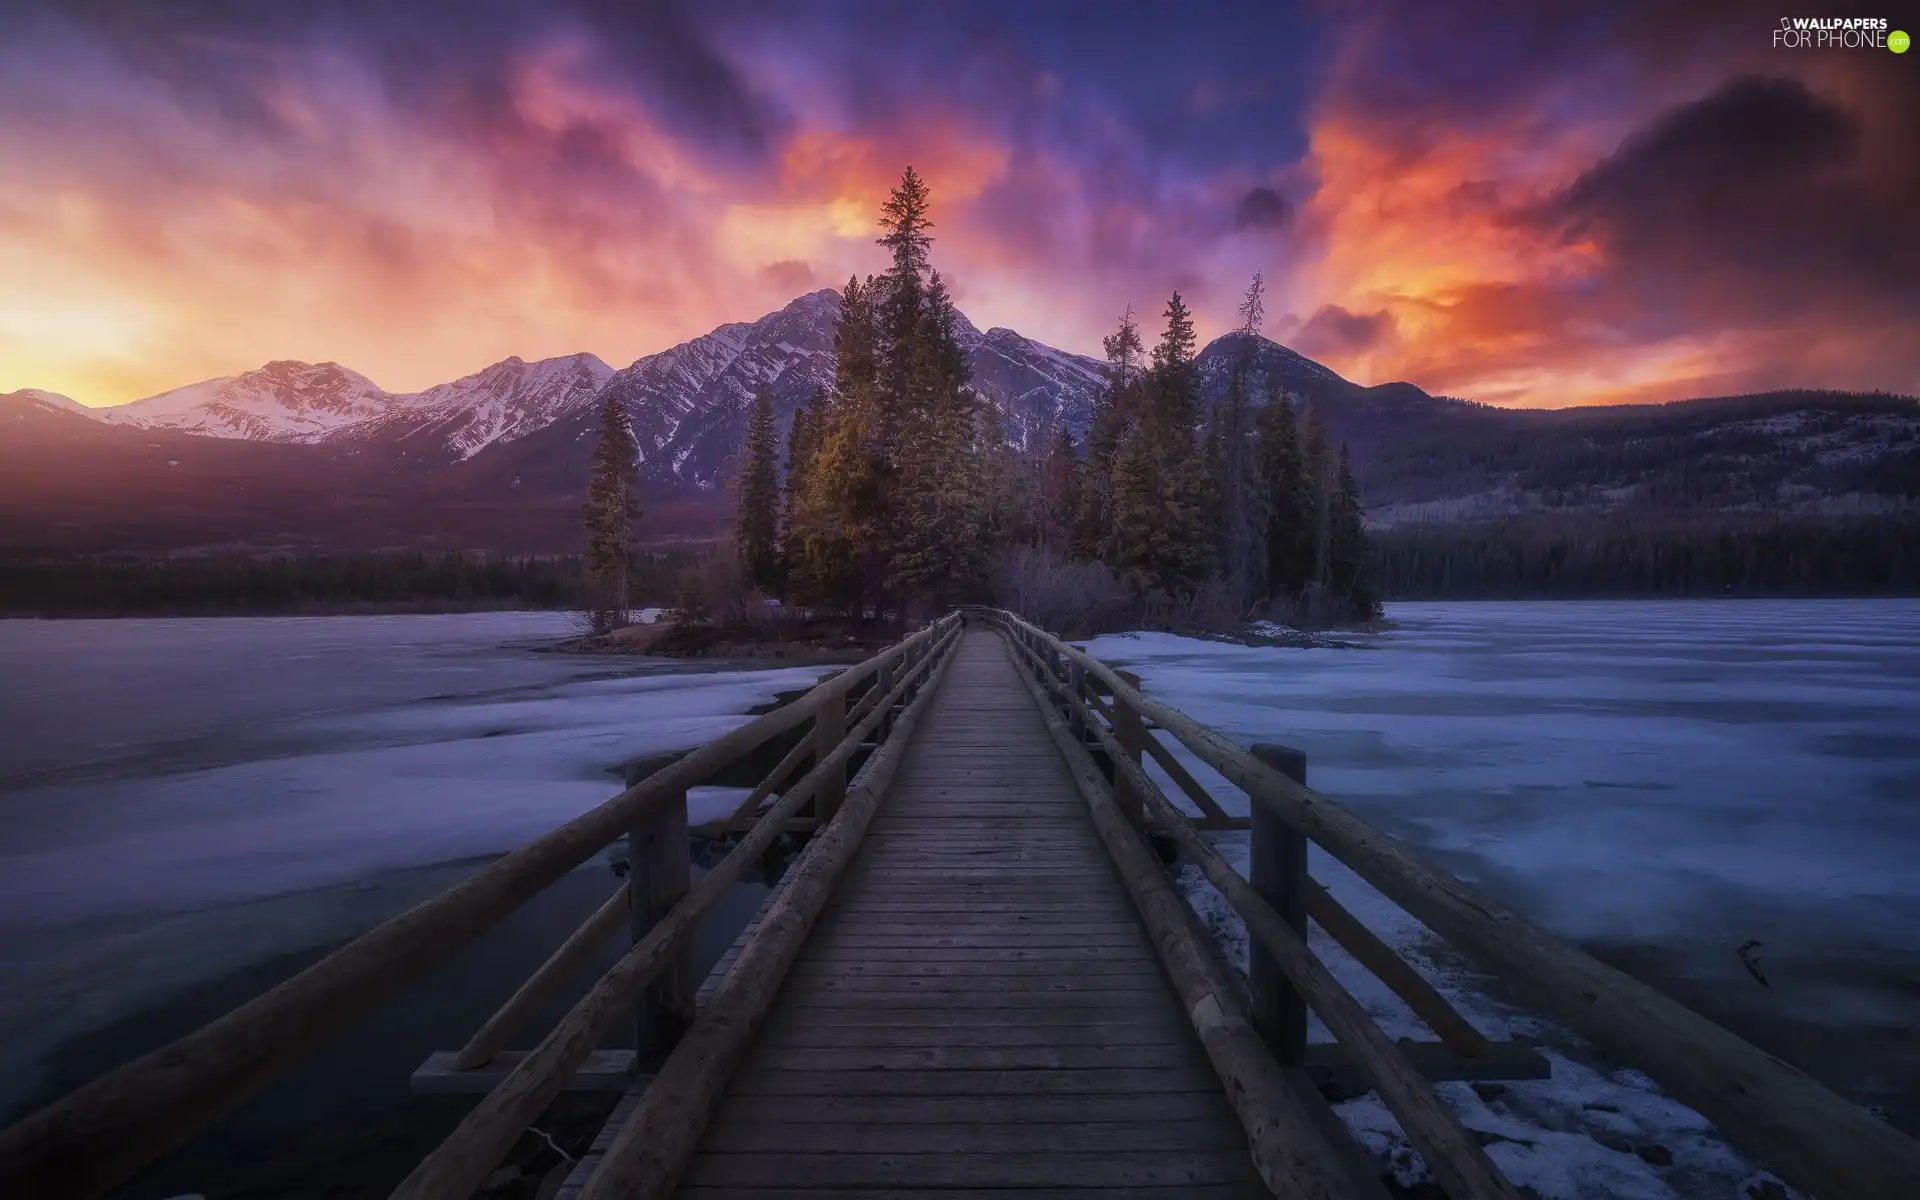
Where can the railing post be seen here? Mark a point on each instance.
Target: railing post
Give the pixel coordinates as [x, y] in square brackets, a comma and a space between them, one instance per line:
[883, 683]
[1278, 871]
[659, 874]
[829, 727]
[1131, 732]
[1077, 681]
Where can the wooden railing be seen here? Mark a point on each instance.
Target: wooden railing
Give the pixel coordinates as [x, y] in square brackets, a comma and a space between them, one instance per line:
[97, 1136]
[1818, 1141]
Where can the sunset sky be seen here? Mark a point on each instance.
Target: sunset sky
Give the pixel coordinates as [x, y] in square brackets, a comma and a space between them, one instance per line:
[1582, 202]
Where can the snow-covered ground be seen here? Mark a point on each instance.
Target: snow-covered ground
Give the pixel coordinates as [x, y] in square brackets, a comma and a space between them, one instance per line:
[1658, 781]
[171, 779]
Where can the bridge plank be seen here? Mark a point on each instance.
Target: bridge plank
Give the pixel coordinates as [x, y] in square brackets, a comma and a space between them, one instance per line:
[1200, 1191]
[835, 1167]
[977, 1010]
[994, 1137]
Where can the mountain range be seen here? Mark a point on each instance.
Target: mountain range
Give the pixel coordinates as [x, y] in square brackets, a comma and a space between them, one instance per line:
[299, 456]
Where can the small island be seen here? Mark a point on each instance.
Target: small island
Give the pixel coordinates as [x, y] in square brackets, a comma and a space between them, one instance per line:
[904, 492]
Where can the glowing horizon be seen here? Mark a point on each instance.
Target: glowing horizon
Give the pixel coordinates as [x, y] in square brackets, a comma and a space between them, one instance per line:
[1507, 207]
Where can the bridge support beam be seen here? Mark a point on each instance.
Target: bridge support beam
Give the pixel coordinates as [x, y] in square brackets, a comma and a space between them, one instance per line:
[1131, 732]
[829, 728]
[1278, 871]
[658, 862]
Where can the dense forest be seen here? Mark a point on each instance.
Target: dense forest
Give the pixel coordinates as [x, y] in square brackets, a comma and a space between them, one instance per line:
[1560, 558]
[219, 586]
[1532, 558]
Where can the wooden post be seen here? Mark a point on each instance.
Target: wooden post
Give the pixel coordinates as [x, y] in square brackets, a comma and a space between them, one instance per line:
[1278, 871]
[1131, 732]
[829, 727]
[883, 683]
[1077, 680]
[658, 875]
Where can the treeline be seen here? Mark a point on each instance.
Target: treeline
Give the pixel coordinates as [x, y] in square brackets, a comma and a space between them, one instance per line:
[904, 491]
[1558, 558]
[234, 585]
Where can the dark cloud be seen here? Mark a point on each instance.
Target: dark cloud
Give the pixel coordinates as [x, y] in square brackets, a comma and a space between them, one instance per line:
[1758, 197]
[1262, 208]
[1335, 333]
[671, 55]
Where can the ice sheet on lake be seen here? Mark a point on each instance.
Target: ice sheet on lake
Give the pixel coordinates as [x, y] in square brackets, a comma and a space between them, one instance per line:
[196, 796]
[1674, 776]
[350, 794]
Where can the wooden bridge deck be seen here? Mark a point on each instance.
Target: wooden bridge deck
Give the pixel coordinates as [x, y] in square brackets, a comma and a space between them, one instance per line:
[977, 1008]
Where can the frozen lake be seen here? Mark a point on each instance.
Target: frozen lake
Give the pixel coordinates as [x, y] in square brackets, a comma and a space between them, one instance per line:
[1659, 782]
[191, 801]
[194, 809]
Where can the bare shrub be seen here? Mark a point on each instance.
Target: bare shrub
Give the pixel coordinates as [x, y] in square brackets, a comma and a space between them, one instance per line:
[1069, 598]
[1210, 609]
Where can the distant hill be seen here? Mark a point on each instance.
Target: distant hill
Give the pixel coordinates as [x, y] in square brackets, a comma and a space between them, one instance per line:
[303, 457]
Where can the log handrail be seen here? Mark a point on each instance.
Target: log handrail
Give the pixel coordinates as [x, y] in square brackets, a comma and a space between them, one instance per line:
[652, 1150]
[1814, 1138]
[1459, 1162]
[1288, 1149]
[86, 1142]
[594, 932]
[461, 1163]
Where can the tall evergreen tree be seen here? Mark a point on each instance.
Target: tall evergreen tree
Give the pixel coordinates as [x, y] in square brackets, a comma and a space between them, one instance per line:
[942, 537]
[1350, 569]
[1239, 513]
[1289, 501]
[1240, 516]
[1112, 415]
[1176, 376]
[1060, 487]
[1318, 458]
[843, 509]
[612, 510]
[1162, 499]
[803, 445]
[756, 527]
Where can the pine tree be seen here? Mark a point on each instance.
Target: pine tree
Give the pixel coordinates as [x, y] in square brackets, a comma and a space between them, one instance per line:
[1289, 505]
[931, 516]
[1319, 472]
[1162, 499]
[1175, 374]
[841, 509]
[802, 445]
[756, 528]
[1112, 415]
[1350, 557]
[1240, 518]
[942, 538]
[612, 511]
[1060, 486]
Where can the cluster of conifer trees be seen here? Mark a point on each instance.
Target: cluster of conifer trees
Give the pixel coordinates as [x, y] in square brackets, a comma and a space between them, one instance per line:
[886, 504]
[902, 485]
[1242, 502]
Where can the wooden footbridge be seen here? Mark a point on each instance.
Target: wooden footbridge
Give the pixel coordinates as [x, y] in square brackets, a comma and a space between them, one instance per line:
[976, 979]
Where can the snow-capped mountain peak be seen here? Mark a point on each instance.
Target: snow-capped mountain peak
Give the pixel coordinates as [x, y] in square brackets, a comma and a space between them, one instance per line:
[284, 401]
[505, 401]
[52, 400]
[687, 404]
